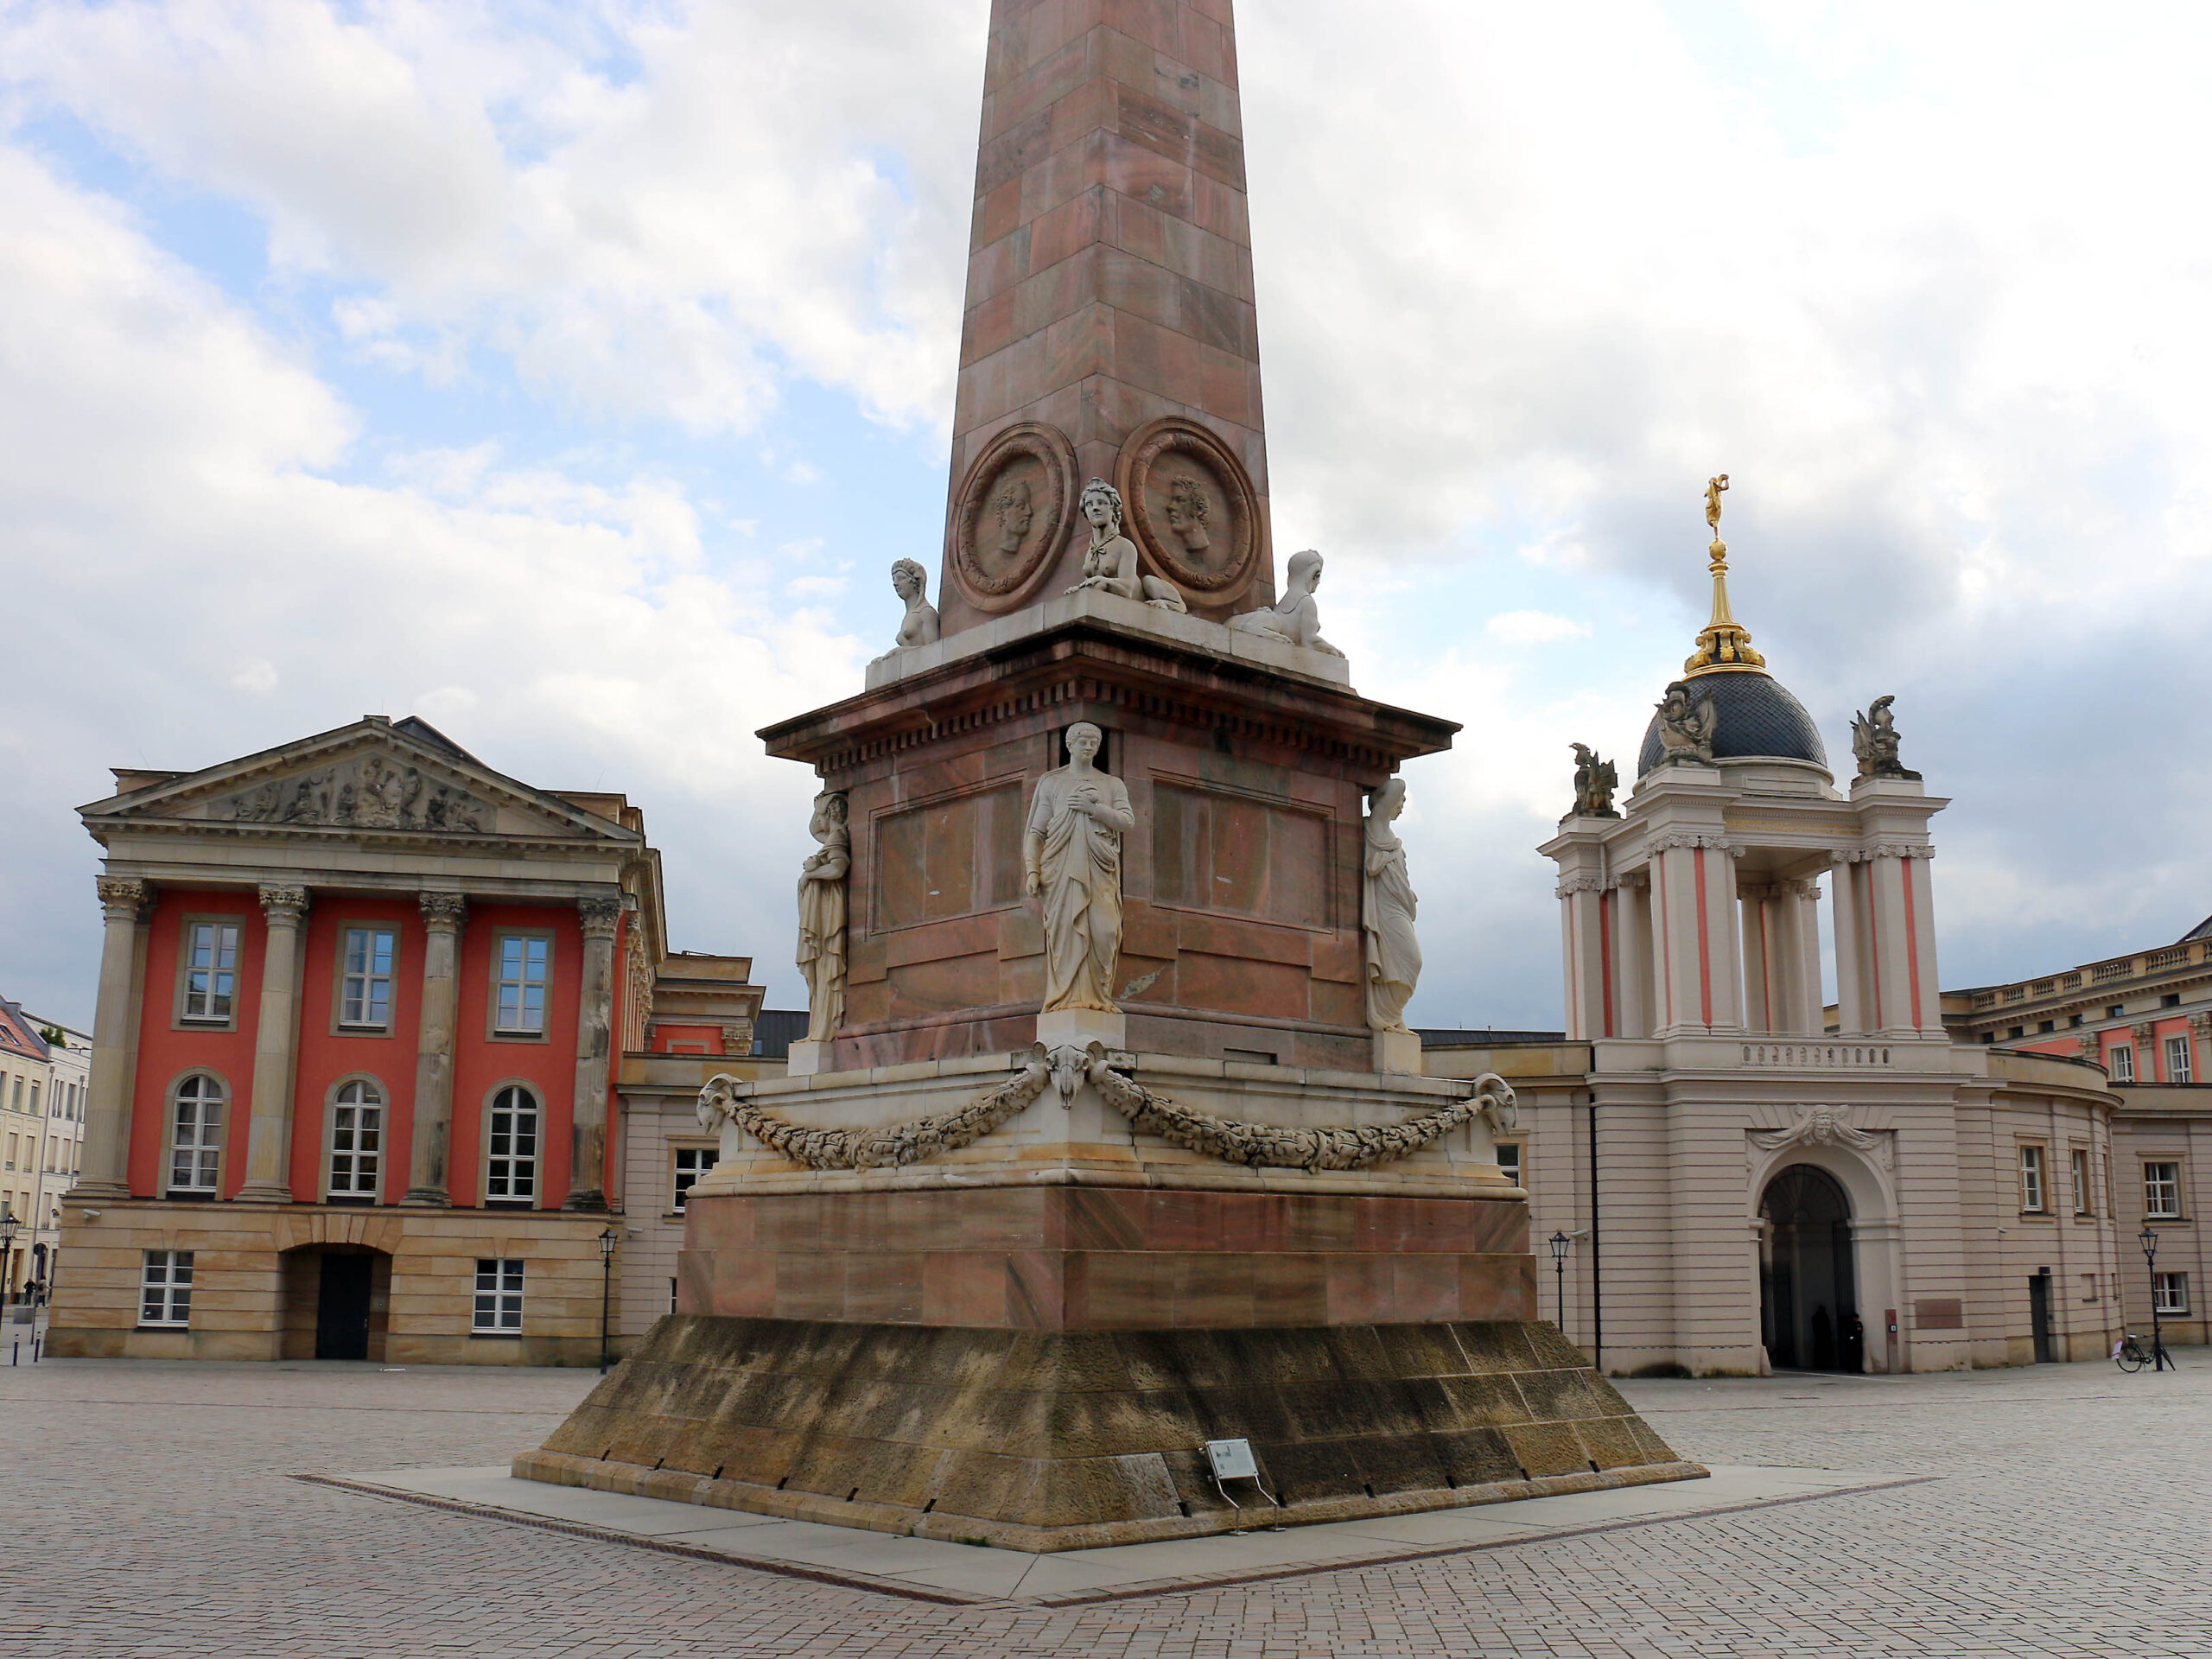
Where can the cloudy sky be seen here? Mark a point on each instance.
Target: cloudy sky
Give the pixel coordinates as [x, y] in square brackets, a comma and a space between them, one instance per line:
[570, 374]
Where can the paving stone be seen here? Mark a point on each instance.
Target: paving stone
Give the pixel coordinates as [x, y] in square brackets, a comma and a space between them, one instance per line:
[155, 1515]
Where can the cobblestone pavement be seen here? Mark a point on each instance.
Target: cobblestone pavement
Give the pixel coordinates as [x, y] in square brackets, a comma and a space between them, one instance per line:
[148, 1512]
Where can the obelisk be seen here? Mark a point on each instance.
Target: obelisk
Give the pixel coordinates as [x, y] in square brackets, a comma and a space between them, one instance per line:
[1101, 1149]
[1110, 288]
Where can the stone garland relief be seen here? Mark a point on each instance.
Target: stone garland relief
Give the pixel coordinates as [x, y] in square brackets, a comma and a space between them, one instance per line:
[1390, 952]
[1258, 1145]
[822, 913]
[1012, 515]
[1191, 509]
[372, 794]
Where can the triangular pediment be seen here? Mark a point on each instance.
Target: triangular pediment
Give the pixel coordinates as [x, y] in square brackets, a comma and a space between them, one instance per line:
[371, 777]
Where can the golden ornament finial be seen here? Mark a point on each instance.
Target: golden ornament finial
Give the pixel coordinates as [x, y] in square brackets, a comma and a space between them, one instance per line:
[1723, 643]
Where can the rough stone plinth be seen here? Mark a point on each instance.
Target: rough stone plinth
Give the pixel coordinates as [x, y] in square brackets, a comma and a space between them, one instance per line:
[1054, 1440]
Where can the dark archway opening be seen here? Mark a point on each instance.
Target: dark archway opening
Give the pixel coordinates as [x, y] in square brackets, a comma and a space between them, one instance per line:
[335, 1302]
[1808, 1299]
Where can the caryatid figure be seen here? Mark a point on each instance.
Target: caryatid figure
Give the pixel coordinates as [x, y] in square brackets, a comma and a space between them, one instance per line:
[822, 918]
[1385, 914]
[1073, 856]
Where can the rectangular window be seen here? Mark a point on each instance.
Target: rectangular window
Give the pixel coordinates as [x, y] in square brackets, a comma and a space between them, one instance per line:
[11, 1152]
[2080, 1175]
[211, 970]
[365, 997]
[33, 1106]
[692, 1162]
[2122, 1060]
[1509, 1160]
[2032, 1178]
[2162, 1191]
[499, 1298]
[2169, 1292]
[2089, 1286]
[165, 1290]
[2178, 1067]
[523, 960]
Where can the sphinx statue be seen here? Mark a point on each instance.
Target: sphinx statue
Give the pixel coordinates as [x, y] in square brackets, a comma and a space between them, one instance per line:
[1111, 562]
[919, 625]
[1294, 619]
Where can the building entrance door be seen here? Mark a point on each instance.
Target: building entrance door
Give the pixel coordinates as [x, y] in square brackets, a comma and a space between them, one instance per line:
[2039, 1316]
[1808, 1312]
[341, 1318]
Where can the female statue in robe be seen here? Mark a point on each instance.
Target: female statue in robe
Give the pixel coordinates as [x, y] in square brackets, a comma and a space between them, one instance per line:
[1072, 857]
[1111, 560]
[822, 918]
[1385, 914]
[1294, 619]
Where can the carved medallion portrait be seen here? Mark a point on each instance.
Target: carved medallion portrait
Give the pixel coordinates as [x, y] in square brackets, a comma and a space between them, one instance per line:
[1192, 512]
[1012, 515]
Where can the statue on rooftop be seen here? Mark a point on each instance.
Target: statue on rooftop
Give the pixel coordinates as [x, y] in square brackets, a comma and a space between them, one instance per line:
[1595, 780]
[1686, 727]
[1111, 562]
[1874, 740]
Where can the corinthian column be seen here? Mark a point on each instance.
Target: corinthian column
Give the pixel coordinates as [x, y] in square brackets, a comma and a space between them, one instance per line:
[433, 1118]
[268, 1134]
[594, 1049]
[105, 1173]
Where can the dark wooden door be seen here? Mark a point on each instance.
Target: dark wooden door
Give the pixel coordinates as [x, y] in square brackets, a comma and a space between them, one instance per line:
[341, 1319]
[2039, 1316]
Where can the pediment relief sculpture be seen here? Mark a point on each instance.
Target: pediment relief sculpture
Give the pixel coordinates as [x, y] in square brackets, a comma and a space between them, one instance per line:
[372, 792]
[1825, 1126]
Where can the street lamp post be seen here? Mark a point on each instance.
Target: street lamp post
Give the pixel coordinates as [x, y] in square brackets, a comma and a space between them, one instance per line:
[9, 1225]
[606, 1290]
[2159, 1359]
[1561, 1244]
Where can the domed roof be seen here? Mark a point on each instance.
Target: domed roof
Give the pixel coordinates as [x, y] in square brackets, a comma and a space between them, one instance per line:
[1754, 715]
[1756, 718]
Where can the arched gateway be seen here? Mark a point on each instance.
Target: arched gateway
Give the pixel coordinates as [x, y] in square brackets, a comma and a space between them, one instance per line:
[1809, 1299]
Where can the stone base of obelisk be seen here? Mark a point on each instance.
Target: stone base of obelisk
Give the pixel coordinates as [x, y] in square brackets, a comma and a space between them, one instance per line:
[1051, 1441]
[1024, 1339]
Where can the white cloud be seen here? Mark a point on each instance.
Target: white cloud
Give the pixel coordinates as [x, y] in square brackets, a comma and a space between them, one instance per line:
[1533, 628]
[163, 492]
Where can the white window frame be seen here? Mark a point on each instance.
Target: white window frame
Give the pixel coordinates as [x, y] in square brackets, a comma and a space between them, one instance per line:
[2178, 1069]
[701, 1160]
[355, 1149]
[513, 1017]
[1519, 1166]
[204, 1144]
[503, 1166]
[2077, 1164]
[2032, 1172]
[2123, 1062]
[2169, 1292]
[165, 1290]
[499, 1297]
[366, 979]
[199, 1007]
[2162, 1193]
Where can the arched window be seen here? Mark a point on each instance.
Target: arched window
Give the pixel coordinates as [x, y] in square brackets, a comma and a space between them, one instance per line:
[356, 1140]
[196, 1135]
[511, 1147]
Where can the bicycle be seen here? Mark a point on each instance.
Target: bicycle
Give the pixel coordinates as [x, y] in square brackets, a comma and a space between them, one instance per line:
[2130, 1355]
